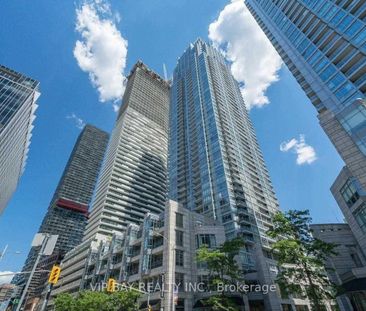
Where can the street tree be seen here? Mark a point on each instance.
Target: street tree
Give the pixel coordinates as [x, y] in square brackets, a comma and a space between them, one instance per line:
[301, 258]
[98, 301]
[223, 270]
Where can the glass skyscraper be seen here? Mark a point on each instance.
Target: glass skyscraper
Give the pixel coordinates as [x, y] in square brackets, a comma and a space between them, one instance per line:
[323, 43]
[216, 165]
[133, 177]
[68, 211]
[18, 96]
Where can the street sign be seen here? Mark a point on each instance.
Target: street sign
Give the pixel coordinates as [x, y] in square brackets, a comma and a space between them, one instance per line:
[38, 240]
[50, 246]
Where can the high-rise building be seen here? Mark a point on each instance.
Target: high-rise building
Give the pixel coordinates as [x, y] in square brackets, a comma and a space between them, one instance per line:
[69, 208]
[18, 96]
[323, 43]
[68, 211]
[133, 179]
[216, 166]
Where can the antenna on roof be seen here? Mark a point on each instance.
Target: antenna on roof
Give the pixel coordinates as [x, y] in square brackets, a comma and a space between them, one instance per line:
[165, 73]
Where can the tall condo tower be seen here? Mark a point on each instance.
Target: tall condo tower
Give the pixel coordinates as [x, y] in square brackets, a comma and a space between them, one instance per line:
[18, 96]
[216, 166]
[68, 211]
[323, 44]
[133, 177]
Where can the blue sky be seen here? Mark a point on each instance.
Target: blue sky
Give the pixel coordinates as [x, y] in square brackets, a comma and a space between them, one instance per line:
[38, 40]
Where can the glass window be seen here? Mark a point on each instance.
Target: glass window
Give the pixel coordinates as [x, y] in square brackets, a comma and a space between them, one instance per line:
[301, 308]
[179, 220]
[349, 192]
[345, 23]
[179, 240]
[344, 90]
[156, 261]
[314, 58]
[179, 257]
[337, 80]
[208, 240]
[354, 28]
[360, 38]
[329, 71]
[321, 64]
[309, 51]
[286, 307]
[179, 281]
[331, 12]
[355, 119]
[360, 215]
[324, 9]
[336, 19]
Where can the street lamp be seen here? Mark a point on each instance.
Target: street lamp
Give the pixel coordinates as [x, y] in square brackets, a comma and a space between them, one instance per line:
[5, 251]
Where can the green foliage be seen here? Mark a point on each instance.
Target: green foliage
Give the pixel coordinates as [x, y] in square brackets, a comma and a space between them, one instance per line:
[65, 302]
[222, 303]
[97, 301]
[301, 257]
[223, 269]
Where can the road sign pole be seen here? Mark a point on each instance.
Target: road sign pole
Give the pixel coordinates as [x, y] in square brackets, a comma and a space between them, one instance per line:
[44, 305]
[40, 253]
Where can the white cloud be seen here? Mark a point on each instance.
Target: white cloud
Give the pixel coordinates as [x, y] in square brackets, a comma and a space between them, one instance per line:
[115, 108]
[305, 153]
[102, 50]
[79, 123]
[5, 277]
[254, 61]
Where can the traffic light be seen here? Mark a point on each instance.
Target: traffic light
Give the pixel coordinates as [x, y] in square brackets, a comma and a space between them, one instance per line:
[111, 286]
[150, 308]
[54, 275]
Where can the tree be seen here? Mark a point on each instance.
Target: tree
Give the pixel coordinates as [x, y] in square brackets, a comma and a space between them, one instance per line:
[65, 302]
[301, 257]
[98, 301]
[223, 270]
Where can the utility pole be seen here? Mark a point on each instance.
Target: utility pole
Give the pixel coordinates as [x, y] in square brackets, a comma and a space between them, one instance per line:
[40, 253]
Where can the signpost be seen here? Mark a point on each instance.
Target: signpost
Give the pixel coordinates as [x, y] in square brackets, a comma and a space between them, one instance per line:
[47, 243]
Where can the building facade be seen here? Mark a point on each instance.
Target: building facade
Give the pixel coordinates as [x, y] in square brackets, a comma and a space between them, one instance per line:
[18, 96]
[216, 165]
[69, 208]
[155, 255]
[347, 267]
[6, 292]
[133, 179]
[351, 199]
[323, 43]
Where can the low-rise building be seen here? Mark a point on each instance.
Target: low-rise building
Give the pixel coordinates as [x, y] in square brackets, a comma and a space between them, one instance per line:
[347, 268]
[6, 291]
[159, 255]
